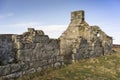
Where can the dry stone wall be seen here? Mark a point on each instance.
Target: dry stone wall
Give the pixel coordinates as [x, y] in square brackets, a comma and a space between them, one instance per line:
[33, 51]
[6, 49]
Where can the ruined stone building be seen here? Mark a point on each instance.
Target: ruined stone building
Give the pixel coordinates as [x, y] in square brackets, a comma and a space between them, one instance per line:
[34, 51]
[81, 40]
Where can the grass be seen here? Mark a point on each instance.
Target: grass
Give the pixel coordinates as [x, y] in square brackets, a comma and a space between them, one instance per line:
[101, 68]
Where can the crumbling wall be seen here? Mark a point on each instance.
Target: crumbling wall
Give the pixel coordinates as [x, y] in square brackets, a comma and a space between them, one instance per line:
[34, 51]
[6, 49]
[34, 46]
[81, 41]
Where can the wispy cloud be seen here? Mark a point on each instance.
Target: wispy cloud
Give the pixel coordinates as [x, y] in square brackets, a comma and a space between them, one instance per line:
[23, 24]
[2, 16]
[54, 31]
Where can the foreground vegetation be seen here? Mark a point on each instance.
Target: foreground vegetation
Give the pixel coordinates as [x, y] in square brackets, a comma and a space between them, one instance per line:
[100, 68]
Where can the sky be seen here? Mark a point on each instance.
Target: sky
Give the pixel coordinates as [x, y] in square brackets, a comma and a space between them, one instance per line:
[53, 16]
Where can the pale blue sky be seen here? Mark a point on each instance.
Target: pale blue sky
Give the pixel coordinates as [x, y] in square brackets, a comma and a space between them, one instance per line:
[53, 16]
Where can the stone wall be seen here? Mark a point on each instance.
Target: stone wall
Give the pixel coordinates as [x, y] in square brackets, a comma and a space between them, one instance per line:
[34, 52]
[81, 41]
[6, 49]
